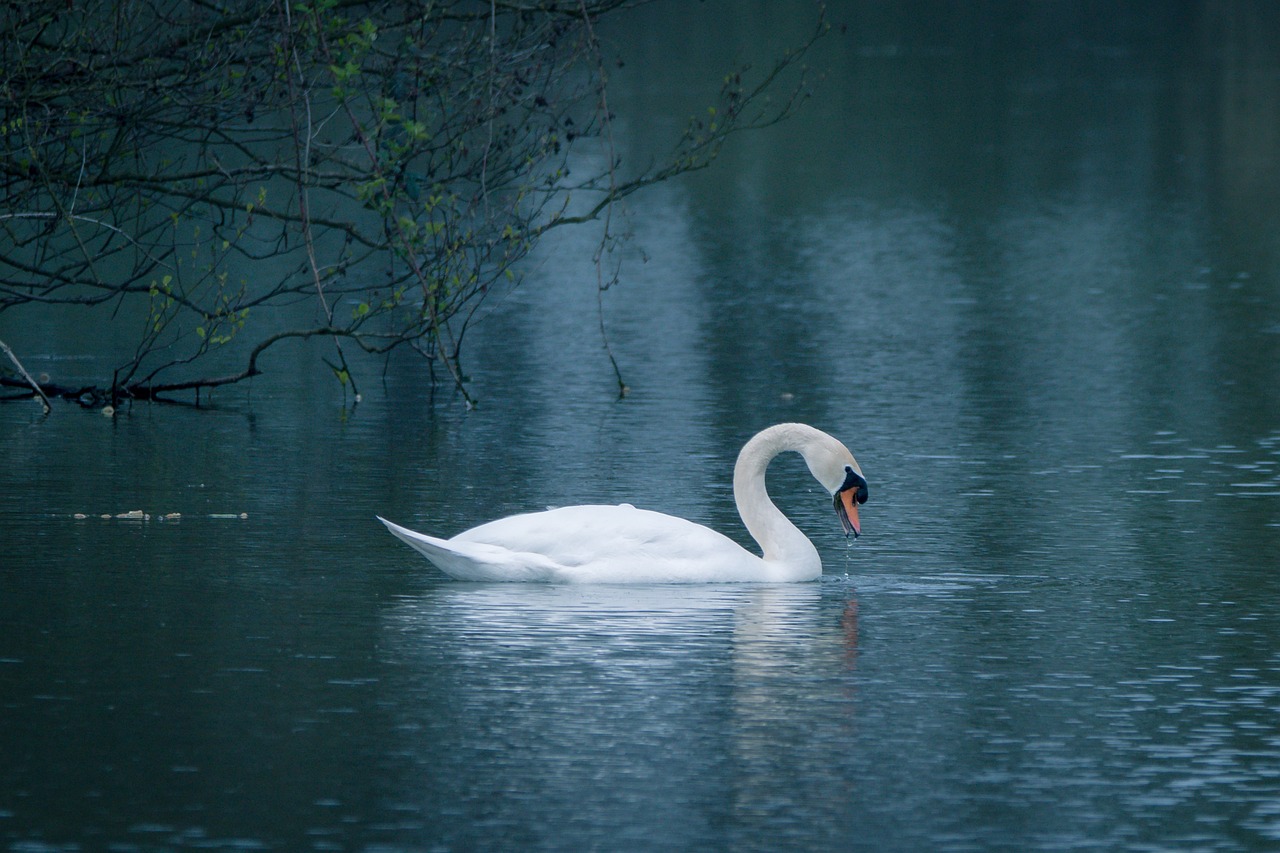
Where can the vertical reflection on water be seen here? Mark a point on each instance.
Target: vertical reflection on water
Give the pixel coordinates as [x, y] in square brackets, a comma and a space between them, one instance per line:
[584, 707]
[792, 714]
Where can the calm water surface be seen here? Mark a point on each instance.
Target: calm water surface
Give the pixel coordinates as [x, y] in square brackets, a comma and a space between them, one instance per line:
[1025, 263]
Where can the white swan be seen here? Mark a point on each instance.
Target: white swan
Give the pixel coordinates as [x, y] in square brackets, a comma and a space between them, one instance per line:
[622, 544]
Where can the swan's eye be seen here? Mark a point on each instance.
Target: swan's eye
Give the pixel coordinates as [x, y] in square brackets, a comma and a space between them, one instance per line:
[854, 480]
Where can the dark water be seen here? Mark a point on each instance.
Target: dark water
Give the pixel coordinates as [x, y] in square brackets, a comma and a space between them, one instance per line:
[1024, 261]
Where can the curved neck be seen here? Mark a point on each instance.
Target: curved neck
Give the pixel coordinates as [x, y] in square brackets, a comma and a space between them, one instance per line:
[779, 539]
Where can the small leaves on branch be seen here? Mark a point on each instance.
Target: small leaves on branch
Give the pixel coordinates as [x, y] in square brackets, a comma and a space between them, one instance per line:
[216, 179]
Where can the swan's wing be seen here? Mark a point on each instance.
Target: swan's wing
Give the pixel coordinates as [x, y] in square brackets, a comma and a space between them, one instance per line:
[618, 544]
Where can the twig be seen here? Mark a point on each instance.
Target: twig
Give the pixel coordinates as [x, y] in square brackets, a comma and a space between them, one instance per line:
[303, 158]
[35, 386]
[606, 121]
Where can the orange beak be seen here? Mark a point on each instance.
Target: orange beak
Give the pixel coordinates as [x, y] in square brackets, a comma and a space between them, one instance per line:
[847, 509]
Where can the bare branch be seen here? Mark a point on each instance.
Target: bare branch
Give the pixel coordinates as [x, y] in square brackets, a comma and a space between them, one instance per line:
[35, 386]
[183, 168]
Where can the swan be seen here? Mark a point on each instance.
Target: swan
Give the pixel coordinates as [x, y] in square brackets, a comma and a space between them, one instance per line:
[623, 544]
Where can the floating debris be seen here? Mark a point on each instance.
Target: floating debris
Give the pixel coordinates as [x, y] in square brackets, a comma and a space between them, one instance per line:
[141, 515]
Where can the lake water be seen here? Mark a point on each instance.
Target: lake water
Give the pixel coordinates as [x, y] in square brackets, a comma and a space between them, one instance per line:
[1025, 262]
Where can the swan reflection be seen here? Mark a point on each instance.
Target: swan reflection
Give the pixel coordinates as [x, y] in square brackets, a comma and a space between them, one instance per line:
[613, 695]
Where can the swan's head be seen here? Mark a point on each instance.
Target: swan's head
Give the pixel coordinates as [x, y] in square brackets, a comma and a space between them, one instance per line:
[834, 467]
[852, 491]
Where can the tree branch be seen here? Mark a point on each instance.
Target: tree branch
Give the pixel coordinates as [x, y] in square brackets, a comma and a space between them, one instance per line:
[35, 387]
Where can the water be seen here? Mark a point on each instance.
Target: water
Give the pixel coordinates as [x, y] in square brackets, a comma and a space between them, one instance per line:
[1023, 262]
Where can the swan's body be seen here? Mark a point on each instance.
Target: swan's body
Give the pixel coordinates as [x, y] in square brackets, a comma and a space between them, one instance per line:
[622, 544]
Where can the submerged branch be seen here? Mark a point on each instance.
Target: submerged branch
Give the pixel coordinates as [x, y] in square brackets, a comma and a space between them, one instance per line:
[35, 386]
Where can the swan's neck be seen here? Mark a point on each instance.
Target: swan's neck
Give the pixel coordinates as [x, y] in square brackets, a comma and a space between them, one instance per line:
[780, 541]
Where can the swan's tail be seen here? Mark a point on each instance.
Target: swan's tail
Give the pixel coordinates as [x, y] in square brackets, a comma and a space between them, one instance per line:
[435, 550]
[470, 561]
